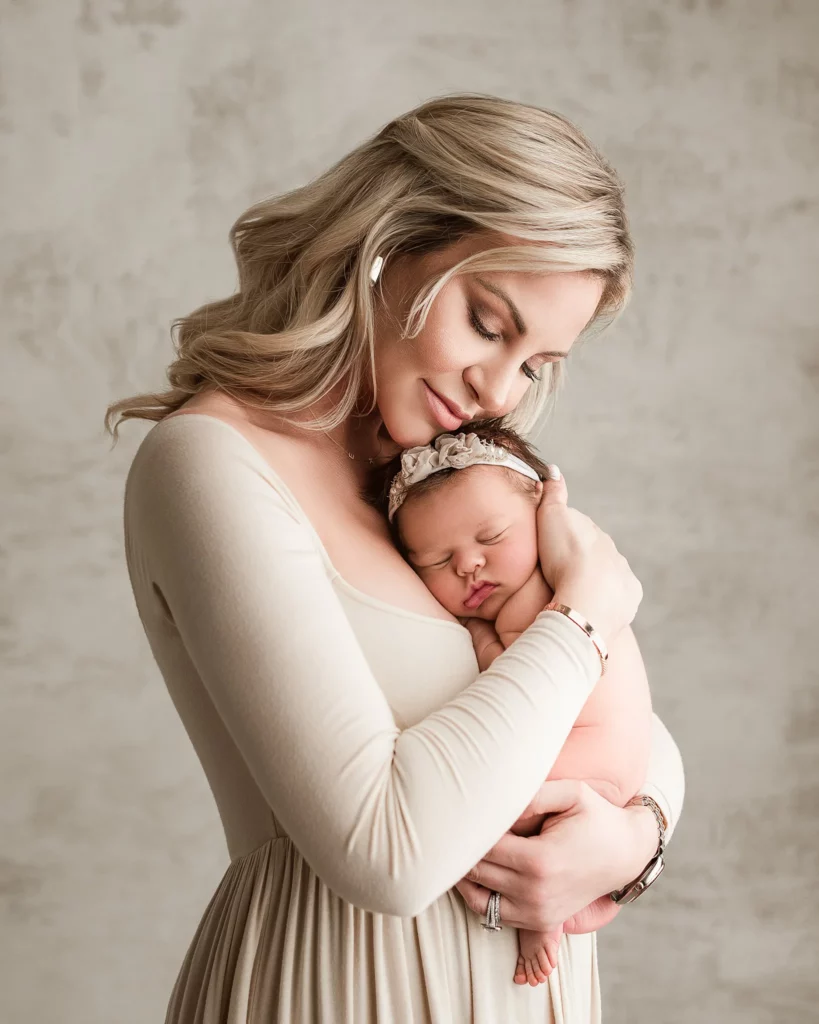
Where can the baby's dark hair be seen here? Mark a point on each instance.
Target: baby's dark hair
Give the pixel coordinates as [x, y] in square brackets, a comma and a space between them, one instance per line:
[376, 490]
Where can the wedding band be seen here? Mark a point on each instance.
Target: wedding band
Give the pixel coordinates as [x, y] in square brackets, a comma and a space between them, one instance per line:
[492, 922]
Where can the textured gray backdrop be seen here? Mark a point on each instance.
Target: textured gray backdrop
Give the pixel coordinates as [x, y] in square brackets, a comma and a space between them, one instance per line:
[132, 134]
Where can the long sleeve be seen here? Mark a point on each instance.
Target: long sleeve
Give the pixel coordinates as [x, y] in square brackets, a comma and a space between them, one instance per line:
[665, 779]
[388, 819]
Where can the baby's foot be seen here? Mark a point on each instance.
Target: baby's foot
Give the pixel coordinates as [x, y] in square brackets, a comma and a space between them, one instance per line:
[538, 955]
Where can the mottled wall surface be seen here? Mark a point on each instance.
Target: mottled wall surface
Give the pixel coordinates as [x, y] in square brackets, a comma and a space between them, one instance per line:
[132, 133]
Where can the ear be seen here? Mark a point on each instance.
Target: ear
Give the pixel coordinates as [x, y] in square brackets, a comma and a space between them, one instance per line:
[538, 491]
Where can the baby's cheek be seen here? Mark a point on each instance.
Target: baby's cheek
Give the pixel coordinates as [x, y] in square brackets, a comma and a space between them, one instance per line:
[518, 562]
[444, 591]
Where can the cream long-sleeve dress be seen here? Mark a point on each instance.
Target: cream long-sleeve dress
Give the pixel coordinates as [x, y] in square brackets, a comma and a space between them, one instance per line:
[360, 763]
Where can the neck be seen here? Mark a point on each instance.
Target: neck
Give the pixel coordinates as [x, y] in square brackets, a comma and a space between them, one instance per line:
[366, 438]
[362, 436]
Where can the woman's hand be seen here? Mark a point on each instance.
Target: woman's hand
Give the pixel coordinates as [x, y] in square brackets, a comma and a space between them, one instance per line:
[582, 565]
[587, 848]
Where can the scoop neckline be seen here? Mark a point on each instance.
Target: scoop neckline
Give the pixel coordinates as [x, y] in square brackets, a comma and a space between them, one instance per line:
[360, 595]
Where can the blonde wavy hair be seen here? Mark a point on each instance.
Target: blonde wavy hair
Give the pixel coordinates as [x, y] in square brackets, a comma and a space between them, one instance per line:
[302, 319]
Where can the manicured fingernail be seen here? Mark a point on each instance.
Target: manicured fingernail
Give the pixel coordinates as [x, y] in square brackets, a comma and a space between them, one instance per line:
[554, 472]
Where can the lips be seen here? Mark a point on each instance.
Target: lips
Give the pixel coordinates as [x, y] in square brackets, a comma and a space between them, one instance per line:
[479, 594]
[450, 417]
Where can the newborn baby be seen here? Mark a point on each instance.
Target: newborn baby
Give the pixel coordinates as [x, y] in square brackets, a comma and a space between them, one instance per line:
[469, 529]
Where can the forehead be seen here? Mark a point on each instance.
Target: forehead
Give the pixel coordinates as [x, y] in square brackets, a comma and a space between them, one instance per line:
[466, 501]
[577, 291]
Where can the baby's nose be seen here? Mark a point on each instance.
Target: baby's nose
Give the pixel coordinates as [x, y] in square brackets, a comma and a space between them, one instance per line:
[471, 563]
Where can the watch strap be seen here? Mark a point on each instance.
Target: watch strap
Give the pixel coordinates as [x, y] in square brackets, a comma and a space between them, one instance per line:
[652, 870]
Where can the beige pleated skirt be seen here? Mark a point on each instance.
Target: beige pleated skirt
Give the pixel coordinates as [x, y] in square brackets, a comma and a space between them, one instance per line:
[276, 946]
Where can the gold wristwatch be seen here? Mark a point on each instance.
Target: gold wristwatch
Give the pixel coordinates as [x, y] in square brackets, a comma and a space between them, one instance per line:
[653, 869]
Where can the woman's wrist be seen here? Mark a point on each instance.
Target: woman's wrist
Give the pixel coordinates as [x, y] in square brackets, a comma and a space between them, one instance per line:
[582, 623]
[586, 608]
[645, 839]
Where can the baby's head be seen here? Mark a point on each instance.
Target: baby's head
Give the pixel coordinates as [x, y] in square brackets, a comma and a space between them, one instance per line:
[460, 522]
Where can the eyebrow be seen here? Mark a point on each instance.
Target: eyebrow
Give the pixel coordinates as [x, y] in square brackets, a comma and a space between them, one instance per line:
[520, 326]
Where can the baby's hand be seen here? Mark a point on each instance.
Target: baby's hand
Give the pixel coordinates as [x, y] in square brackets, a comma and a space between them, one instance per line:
[485, 640]
[481, 631]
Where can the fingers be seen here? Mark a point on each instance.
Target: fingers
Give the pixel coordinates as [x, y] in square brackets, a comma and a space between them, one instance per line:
[493, 876]
[476, 897]
[511, 851]
[555, 491]
[554, 795]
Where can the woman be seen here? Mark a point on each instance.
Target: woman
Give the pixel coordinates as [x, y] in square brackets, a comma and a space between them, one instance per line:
[360, 763]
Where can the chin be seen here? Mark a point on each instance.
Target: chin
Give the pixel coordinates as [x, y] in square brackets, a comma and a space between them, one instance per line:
[408, 432]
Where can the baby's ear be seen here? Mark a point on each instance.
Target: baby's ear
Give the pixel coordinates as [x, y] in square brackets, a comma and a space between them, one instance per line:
[538, 491]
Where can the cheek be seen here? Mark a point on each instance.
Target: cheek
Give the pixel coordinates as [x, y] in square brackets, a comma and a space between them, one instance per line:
[404, 363]
[447, 343]
[438, 354]
[438, 583]
[444, 587]
[518, 558]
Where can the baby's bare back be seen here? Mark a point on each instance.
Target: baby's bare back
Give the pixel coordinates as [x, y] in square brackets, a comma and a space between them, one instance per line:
[609, 743]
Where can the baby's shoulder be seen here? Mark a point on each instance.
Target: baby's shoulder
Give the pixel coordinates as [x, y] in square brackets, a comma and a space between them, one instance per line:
[521, 609]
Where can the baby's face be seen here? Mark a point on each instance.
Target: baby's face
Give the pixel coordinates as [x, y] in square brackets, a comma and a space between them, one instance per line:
[477, 527]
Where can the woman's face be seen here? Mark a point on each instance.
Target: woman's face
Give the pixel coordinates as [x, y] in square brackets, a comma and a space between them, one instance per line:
[451, 372]
[476, 528]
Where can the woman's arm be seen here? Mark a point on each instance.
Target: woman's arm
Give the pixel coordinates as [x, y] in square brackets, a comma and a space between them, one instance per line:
[389, 819]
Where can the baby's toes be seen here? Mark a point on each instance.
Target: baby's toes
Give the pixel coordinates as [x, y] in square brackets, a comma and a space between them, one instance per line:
[533, 970]
[541, 966]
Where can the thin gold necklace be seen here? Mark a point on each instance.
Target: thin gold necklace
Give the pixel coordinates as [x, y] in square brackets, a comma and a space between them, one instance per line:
[348, 454]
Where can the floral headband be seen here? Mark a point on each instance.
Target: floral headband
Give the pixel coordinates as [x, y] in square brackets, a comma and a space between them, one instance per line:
[449, 451]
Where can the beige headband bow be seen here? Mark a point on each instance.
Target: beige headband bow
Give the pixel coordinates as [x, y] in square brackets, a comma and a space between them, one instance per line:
[449, 451]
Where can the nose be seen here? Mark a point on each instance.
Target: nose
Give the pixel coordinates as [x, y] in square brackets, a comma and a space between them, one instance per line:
[495, 387]
[468, 563]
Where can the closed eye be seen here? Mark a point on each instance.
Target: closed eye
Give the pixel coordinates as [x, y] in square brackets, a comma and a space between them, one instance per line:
[489, 540]
[491, 336]
[433, 565]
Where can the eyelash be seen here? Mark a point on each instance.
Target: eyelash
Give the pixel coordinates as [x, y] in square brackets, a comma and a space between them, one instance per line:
[492, 540]
[484, 333]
